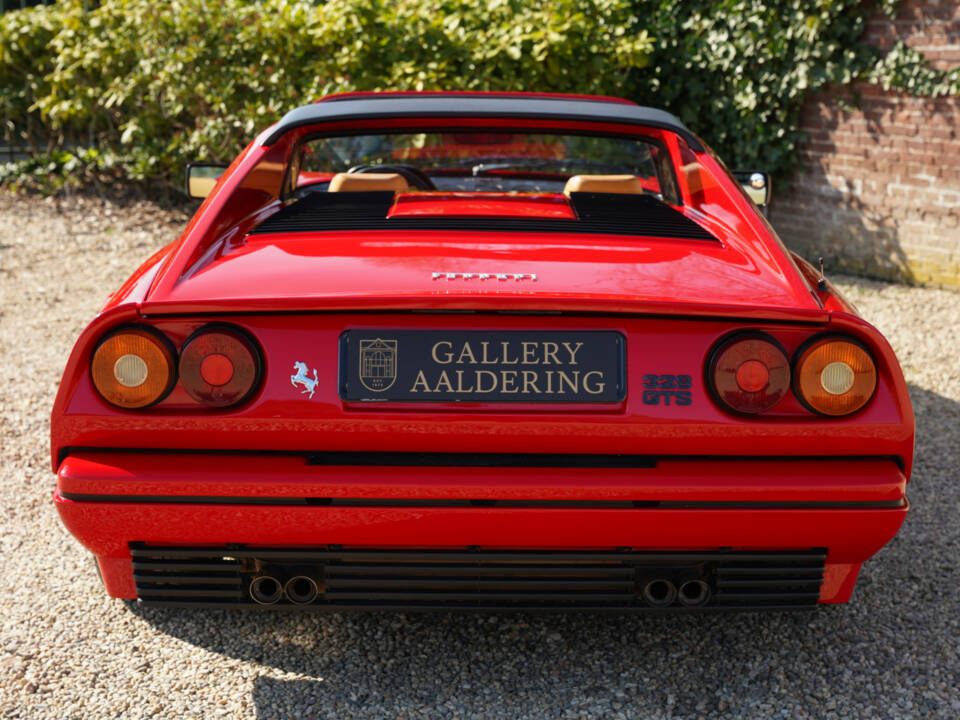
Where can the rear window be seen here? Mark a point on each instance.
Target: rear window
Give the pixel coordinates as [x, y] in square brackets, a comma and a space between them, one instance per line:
[476, 161]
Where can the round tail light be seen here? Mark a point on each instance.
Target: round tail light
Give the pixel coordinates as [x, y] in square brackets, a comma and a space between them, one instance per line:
[219, 366]
[750, 374]
[133, 368]
[835, 376]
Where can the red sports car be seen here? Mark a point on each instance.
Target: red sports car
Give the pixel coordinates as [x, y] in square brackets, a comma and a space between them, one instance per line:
[480, 351]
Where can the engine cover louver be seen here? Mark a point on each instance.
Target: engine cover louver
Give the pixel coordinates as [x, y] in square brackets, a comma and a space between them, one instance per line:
[597, 214]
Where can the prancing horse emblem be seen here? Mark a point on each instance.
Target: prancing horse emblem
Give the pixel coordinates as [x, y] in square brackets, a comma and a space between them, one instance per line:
[378, 364]
[301, 378]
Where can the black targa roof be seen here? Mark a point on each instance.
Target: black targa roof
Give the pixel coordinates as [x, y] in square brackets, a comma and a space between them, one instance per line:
[479, 106]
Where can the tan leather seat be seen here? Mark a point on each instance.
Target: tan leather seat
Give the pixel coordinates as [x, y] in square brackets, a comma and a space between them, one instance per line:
[698, 180]
[368, 182]
[694, 176]
[619, 184]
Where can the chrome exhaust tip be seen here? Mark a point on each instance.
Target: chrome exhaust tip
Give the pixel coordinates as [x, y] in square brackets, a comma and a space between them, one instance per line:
[266, 590]
[693, 593]
[660, 592]
[301, 589]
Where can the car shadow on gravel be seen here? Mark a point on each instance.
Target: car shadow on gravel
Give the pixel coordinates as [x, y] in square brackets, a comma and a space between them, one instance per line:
[875, 656]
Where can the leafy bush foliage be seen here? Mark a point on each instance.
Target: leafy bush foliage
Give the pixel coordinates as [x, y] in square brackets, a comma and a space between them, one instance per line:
[25, 61]
[138, 88]
[738, 71]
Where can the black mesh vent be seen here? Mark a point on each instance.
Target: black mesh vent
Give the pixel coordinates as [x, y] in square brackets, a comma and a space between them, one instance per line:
[396, 579]
[597, 214]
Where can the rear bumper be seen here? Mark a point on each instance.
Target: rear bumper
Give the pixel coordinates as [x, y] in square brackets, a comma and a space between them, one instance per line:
[847, 508]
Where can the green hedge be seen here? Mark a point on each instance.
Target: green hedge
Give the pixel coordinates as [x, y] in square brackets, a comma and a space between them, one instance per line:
[137, 88]
[738, 71]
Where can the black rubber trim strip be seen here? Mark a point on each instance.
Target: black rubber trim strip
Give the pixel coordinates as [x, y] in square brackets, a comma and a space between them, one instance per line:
[498, 460]
[483, 503]
[533, 108]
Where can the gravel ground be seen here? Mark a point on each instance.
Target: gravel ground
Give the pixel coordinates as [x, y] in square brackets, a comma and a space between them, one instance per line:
[68, 651]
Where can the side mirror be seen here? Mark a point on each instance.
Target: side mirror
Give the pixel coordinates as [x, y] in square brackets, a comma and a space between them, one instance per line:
[758, 186]
[202, 177]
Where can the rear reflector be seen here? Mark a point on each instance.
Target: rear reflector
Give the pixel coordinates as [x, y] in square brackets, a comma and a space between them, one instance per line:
[835, 376]
[133, 368]
[219, 366]
[750, 374]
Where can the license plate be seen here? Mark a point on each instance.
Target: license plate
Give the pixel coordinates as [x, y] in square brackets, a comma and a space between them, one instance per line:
[483, 366]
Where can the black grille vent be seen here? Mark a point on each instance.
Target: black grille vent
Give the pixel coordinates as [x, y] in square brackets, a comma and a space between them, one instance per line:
[404, 580]
[597, 213]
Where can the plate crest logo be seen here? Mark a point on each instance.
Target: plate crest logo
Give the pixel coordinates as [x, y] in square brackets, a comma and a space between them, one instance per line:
[378, 364]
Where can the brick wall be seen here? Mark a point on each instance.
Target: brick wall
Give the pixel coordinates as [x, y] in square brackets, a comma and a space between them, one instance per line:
[878, 189]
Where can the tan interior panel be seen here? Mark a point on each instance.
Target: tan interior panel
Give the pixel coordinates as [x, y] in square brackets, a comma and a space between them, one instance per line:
[619, 184]
[697, 179]
[368, 182]
[200, 187]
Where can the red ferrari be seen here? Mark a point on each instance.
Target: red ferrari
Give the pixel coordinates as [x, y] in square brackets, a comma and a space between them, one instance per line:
[480, 351]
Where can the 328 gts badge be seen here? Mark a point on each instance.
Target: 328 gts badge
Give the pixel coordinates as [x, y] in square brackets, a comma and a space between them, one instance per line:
[667, 390]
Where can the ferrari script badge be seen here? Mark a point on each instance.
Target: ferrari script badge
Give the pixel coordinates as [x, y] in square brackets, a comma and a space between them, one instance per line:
[301, 378]
[378, 364]
[502, 277]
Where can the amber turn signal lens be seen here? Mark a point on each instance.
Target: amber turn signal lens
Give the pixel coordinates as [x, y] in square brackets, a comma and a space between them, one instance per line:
[835, 376]
[219, 367]
[750, 374]
[132, 368]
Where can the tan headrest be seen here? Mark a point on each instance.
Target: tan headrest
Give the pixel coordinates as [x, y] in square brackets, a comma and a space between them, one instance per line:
[368, 182]
[620, 184]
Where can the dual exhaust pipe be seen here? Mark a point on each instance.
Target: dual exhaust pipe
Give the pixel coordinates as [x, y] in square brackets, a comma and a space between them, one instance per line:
[661, 592]
[300, 589]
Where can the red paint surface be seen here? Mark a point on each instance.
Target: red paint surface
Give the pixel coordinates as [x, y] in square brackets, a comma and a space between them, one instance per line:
[672, 480]
[462, 204]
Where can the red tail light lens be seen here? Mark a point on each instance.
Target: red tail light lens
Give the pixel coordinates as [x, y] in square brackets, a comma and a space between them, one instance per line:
[750, 374]
[835, 376]
[219, 366]
[133, 368]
